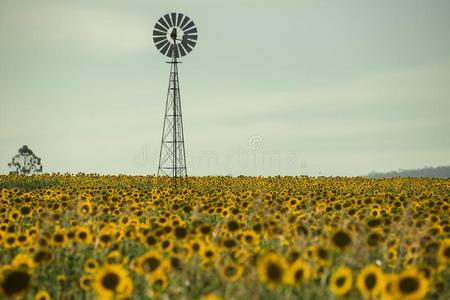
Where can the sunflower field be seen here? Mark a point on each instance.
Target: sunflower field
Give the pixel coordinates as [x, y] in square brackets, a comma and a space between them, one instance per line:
[134, 237]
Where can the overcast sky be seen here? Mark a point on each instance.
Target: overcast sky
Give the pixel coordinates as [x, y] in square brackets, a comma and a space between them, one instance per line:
[273, 87]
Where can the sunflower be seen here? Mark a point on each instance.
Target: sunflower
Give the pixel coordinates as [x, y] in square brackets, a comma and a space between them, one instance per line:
[341, 239]
[231, 272]
[150, 262]
[85, 282]
[42, 295]
[196, 246]
[113, 282]
[15, 283]
[42, 256]
[180, 232]
[84, 208]
[444, 252]
[158, 280]
[23, 261]
[391, 256]
[272, 269]
[341, 281]
[387, 292]
[105, 236]
[250, 238]
[91, 265]
[83, 235]
[113, 257]
[59, 237]
[370, 281]
[10, 241]
[410, 284]
[299, 271]
[62, 279]
[208, 253]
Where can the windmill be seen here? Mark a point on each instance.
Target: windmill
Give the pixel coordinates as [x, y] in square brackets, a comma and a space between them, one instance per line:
[174, 35]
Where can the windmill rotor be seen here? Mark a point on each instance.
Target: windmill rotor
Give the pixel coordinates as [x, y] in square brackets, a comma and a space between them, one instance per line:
[175, 35]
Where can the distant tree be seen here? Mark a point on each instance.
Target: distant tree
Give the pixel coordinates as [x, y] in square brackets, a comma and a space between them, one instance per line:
[25, 162]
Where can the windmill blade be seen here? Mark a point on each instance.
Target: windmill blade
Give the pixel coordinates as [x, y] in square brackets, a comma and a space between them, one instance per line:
[158, 39]
[160, 44]
[181, 49]
[187, 47]
[188, 26]
[158, 33]
[191, 31]
[170, 52]
[164, 49]
[168, 20]
[174, 19]
[180, 17]
[160, 28]
[163, 23]
[191, 43]
[186, 19]
[191, 37]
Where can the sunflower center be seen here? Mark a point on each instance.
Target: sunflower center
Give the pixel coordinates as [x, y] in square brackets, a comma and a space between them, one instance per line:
[105, 238]
[230, 243]
[58, 238]
[151, 264]
[447, 252]
[82, 235]
[323, 254]
[298, 275]
[341, 239]
[408, 285]
[233, 226]
[370, 281]
[340, 281]
[25, 210]
[15, 282]
[180, 232]
[274, 272]
[230, 271]
[373, 239]
[151, 240]
[110, 281]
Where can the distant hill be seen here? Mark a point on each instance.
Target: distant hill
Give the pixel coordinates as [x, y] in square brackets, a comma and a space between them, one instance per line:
[438, 172]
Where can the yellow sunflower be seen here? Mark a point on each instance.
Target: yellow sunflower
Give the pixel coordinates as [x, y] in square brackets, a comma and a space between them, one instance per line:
[410, 285]
[370, 281]
[150, 262]
[341, 239]
[85, 282]
[231, 272]
[272, 269]
[23, 260]
[83, 235]
[341, 281]
[298, 272]
[113, 282]
[91, 265]
[444, 252]
[42, 295]
[14, 283]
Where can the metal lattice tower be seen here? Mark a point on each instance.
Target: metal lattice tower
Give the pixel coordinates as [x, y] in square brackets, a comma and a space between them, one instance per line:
[174, 35]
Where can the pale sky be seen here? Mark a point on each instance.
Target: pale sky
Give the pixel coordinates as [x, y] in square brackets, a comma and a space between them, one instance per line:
[273, 87]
